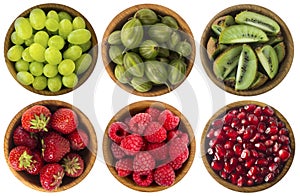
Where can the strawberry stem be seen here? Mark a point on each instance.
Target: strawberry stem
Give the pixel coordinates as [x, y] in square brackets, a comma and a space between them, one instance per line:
[71, 165]
[57, 179]
[25, 160]
[40, 122]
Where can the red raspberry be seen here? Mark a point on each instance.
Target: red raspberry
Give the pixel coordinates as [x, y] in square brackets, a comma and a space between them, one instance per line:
[179, 160]
[132, 144]
[117, 131]
[154, 112]
[177, 133]
[168, 120]
[164, 175]
[139, 122]
[143, 178]
[116, 150]
[155, 133]
[159, 151]
[143, 161]
[176, 148]
[124, 167]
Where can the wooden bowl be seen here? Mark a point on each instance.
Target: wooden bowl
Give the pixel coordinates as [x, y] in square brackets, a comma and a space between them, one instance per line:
[92, 51]
[131, 110]
[116, 24]
[88, 154]
[206, 158]
[284, 65]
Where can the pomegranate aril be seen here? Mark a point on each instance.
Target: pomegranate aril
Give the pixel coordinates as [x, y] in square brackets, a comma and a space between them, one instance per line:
[218, 123]
[272, 167]
[267, 110]
[237, 148]
[276, 147]
[252, 119]
[248, 133]
[241, 115]
[217, 132]
[248, 145]
[223, 174]
[284, 155]
[263, 118]
[264, 171]
[235, 122]
[269, 143]
[229, 154]
[261, 162]
[255, 138]
[234, 178]
[240, 181]
[261, 127]
[258, 111]
[244, 122]
[283, 131]
[259, 180]
[277, 160]
[250, 182]
[210, 133]
[274, 138]
[228, 145]
[269, 177]
[250, 108]
[286, 147]
[233, 111]
[228, 168]
[272, 130]
[227, 119]
[220, 150]
[272, 123]
[254, 153]
[260, 146]
[253, 171]
[249, 163]
[281, 124]
[226, 128]
[210, 151]
[212, 143]
[284, 139]
[217, 165]
[231, 134]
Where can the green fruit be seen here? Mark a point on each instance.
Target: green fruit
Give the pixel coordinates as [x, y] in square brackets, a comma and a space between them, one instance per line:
[83, 63]
[146, 16]
[230, 79]
[160, 32]
[116, 54]
[259, 80]
[177, 71]
[221, 23]
[213, 48]
[170, 21]
[115, 38]
[280, 51]
[174, 40]
[132, 33]
[247, 68]
[274, 39]
[156, 72]
[39, 83]
[141, 84]
[184, 48]
[149, 49]
[121, 74]
[79, 36]
[25, 78]
[54, 84]
[133, 63]
[163, 51]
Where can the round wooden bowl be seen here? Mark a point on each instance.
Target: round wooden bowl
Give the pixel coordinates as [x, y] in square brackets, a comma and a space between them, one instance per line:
[131, 110]
[92, 51]
[283, 67]
[88, 154]
[116, 24]
[205, 157]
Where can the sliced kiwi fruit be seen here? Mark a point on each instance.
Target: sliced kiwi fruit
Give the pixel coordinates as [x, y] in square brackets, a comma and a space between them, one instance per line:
[230, 79]
[273, 40]
[213, 48]
[242, 34]
[247, 68]
[268, 58]
[280, 51]
[221, 23]
[258, 20]
[227, 61]
[259, 80]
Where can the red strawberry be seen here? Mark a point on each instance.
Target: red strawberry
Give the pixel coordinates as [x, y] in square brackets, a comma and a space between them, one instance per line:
[36, 118]
[64, 120]
[20, 158]
[36, 164]
[55, 147]
[51, 176]
[78, 139]
[73, 165]
[24, 138]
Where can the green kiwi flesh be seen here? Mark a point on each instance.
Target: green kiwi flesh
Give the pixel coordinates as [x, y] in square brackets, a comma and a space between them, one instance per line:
[221, 23]
[247, 68]
[268, 58]
[280, 51]
[213, 48]
[259, 80]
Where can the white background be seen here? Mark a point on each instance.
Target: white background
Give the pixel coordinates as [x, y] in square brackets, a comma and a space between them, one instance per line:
[201, 98]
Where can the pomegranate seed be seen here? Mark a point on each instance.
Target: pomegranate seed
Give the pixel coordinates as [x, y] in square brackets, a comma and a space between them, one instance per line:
[228, 168]
[210, 151]
[248, 133]
[254, 153]
[264, 171]
[253, 171]
[232, 134]
[240, 169]
[220, 150]
[252, 119]
[226, 128]
[260, 146]
[227, 119]
[269, 143]
[248, 145]
[267, 110]
[273, 167]
[218, 123]
[284, 155]
[258, 111]
[239, 139]
[229, 154]
[241, 115]
[281, 124]
[259, 180]
[228, 144]
[237, 148]
[210, 133]
[240, 181]
[250, 108]
[233, 161]
[244, 122]
[274, 138]
[284, 139]
[262, 138]
[286, 147]
[223, 174]
[249, 162]
[234, 178]
[250, 182]
[217, 132]
[235, 122]
[261, 127]
[255, 138]
[261, 162]
[234, 112]
[276, 147]
[277, 160]
[263, 118]
[217, 165]
[272, 122]
[272, 130]
[269, 151]
[283, 131]
[217, 157]
[212, 143]
[269, 177]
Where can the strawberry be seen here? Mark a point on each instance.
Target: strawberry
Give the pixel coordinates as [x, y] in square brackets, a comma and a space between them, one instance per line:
[24, 138]
[51, 176]
[36, 164]
[64, 120]
[36, 118]
[78, 139]
[20, 158]
[73, 165]
[54, 147]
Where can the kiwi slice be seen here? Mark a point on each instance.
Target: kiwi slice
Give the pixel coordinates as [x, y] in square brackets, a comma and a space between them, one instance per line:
[213, 48]
[227, 61]
[247, 68]
[258, 20]
[268, 58]
[230, 79]
[280, 51]
[242, 34]
[273, 40]
[221, 23]
[259, 80]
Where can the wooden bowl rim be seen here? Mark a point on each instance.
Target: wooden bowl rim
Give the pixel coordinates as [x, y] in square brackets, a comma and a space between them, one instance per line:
[285, 65]
[93, 50]
[141, 106]
[129, 12]
[92, 147]
[227, 184]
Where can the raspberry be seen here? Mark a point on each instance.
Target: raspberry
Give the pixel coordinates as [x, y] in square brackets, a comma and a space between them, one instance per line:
[155, 133]
[177, 133]
[139, 122]
[168, 120]
[159, 151]
[164, 175]
[143, 161]
[143, 178]
[154, 112]
[116, 150]
[132, 144]
[176, 148]
[117, 131]
[179, 160]
[124, 167]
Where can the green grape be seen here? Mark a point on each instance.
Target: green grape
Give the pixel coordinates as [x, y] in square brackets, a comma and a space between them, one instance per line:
[25, 77]
[70, 81]
[54, 84]
[56, 41]
[73, 53]
[79, 36]
[42, 38]
[26, 56]
[50, 70]
[36, 68]
[65, 28]
[29, 41]
[66, 67]
[37, 18]
[86, 46]
[21, 65]
[83, 63]
[53, 14]
[15, 39]
[78, 23]
[51, 24]
[37, 52]
[39, 82]
[23, 28]
[15, 53]
[64, 15]
[53, 55]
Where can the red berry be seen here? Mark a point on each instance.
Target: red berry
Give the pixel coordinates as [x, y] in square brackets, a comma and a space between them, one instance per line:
[116, 150]
[179, 160]
[155, 133]
[164, 175]
[124, 167]
[139, 122]
[117, 131]
[284, 155]
[176, 148]
[159, 151]
[78, 139]
[143, 161]
[64, 120]
[168, 120]
[132, 144]
[24, 138]
[36, 164]
[51, 176]
[20, 158]
[73, 165]
[154, 112]
[143, 178]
